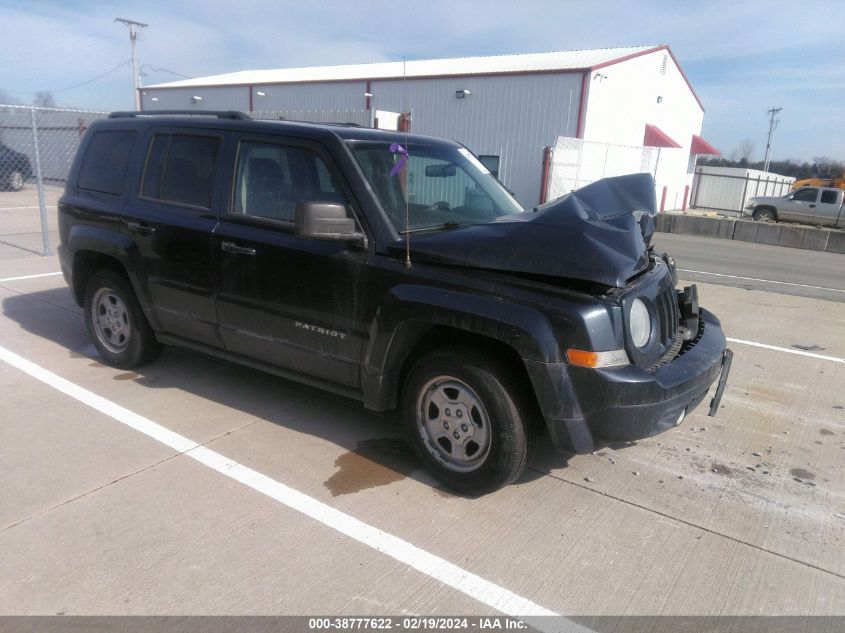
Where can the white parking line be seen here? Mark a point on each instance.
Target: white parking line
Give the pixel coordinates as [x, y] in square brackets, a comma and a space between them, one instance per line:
[14, 208]
[797, 352]
[768, 281]
[29, 277]
[475, 587]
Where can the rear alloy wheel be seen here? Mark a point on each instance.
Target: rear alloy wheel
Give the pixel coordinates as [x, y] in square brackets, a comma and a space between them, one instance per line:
[467, 419]
[764, 215]
[116, 323]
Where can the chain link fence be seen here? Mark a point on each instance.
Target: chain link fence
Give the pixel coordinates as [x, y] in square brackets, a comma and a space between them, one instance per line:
[576, 162]
[37, 146]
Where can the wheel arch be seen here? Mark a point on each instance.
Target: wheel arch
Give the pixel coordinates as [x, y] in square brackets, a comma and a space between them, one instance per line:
[93, 248]
[88, 262]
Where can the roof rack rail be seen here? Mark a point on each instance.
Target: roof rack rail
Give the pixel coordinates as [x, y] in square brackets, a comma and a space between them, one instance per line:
[220, 114]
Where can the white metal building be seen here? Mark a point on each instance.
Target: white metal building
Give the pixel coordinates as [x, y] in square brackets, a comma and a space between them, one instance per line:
[730, 188]
[508, 109]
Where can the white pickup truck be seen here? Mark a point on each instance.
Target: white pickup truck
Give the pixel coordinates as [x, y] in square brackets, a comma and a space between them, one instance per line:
[807, 205]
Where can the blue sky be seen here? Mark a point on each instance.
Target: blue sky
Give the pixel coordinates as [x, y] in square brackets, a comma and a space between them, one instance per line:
[741, 57]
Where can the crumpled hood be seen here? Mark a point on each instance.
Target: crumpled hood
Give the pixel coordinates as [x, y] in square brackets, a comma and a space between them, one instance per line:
[598, 234]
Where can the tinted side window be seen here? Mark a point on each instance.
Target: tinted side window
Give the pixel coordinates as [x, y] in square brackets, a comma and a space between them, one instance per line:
[106, 161]
[806, 195]
[272, 179]
[180, 168]
[829, 197]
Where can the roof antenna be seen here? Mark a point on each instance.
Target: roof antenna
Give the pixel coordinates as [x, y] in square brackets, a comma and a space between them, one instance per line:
[405, 122]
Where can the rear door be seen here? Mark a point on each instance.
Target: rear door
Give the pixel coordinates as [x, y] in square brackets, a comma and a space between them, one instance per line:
[828, 207]
[294, 302]
[170, 221]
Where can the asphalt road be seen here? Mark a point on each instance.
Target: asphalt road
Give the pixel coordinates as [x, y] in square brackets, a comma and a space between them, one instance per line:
[757, 266]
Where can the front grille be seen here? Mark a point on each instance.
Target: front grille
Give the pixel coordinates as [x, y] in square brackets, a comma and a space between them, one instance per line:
[658, 291]
[670, 337]
[669, 315]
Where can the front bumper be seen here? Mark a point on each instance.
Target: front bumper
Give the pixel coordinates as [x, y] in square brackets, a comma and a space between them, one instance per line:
[626, 403]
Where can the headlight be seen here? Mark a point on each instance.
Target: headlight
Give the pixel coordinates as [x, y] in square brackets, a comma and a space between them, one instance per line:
[640, 323]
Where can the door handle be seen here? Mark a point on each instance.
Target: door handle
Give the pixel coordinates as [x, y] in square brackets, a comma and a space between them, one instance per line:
[812, 206]
[141, 228]
[231, 247]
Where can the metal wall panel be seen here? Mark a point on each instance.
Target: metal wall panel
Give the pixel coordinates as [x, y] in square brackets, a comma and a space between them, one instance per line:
[347, 95]
[730, 188]
[513, 117]
[219, 98]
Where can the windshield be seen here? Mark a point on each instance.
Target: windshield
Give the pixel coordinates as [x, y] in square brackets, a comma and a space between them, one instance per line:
[441, 186]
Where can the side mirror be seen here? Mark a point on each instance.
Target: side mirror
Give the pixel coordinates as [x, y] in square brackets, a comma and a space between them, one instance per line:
[326, 221]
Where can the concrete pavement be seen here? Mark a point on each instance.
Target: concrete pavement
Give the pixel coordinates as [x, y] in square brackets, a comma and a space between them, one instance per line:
[739, 514]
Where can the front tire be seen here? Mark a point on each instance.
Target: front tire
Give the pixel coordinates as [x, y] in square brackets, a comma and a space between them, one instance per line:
[116, 323]
[764, 215]
[467, 419]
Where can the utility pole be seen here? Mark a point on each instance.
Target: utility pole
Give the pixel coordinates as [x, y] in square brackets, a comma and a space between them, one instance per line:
[133, 36]
[772, 127]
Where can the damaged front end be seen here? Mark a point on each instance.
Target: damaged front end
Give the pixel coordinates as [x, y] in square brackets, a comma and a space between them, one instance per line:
[676, 349]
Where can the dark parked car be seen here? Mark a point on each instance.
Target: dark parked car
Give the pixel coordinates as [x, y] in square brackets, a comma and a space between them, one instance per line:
[15, 169]
[390, 268]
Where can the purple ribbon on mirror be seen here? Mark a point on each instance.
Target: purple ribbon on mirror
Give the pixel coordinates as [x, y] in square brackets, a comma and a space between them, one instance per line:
[396, 148]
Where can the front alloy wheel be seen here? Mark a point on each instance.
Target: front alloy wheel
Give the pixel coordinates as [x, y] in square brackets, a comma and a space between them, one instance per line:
[764, 215]
[453, 424]
[469, 418]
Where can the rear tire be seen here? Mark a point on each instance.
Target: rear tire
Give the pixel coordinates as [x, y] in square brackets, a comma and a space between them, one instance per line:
[16, 180]
[468, 419]
[116, 323]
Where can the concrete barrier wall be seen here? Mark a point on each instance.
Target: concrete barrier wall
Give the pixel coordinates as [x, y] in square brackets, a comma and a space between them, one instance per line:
[776, 234]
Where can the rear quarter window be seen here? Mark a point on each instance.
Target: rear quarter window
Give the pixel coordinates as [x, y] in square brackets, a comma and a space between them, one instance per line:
[106, 162]
[829, 197]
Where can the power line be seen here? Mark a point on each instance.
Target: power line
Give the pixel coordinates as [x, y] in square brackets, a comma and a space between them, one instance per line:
[161, 70]
[84, 83]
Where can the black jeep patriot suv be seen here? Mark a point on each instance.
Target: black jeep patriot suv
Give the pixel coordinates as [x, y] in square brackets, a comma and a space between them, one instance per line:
[390, 268]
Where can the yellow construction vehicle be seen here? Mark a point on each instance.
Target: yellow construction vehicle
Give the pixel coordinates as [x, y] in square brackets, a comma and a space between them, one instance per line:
[839, 183]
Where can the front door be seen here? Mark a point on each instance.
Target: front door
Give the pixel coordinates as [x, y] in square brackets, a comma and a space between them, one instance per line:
[284, 299]
[800, 206]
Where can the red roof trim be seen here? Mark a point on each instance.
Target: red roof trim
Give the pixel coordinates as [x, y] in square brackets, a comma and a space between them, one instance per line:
[655, 137]
[662, 47]
[700, 146]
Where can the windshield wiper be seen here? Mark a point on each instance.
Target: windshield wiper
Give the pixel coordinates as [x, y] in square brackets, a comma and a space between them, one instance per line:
[436, 227]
